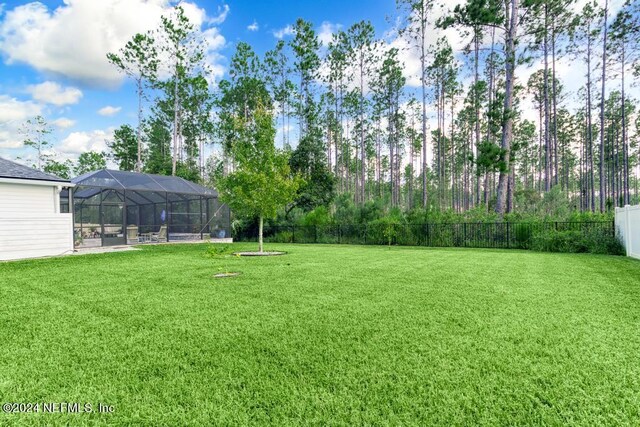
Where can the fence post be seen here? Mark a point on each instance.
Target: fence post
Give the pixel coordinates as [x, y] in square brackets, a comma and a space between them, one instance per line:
[293, 234]
[428, 239]
[627, 231]
[464, 234]
[315, 234]
[508, 237]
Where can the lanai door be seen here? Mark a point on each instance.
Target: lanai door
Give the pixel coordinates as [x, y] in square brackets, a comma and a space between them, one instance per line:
[113, 232]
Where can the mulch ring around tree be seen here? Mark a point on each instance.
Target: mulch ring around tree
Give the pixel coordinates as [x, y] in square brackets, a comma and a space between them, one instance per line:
[228, 274]
[275, 253]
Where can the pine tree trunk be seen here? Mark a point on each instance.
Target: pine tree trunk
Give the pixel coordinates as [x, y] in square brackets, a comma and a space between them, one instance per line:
[362, 131]
[554, 97]
[591, 186]
[174, 160]
[477, 109]
[424, 108]
[604, 74]
[507, 126]
[139, 130]
[547, 148]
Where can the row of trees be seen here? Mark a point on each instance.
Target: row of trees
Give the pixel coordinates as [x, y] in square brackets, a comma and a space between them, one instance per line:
[352, 125]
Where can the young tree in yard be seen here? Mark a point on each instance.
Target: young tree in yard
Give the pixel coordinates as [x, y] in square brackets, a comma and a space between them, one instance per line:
[125, 148]
[261, 182]
[89, 162]
[138, 59]
[36, 132]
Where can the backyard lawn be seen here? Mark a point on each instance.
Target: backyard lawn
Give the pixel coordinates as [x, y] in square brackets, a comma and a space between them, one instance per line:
[325, 335]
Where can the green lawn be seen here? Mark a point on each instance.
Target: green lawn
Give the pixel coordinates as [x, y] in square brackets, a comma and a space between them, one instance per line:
[326, 335]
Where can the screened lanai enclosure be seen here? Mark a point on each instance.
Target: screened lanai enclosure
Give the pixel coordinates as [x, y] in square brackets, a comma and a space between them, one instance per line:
[116, 208]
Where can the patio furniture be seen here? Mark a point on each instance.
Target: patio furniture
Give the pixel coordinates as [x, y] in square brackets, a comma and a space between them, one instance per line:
[132, 234]
[161, 235]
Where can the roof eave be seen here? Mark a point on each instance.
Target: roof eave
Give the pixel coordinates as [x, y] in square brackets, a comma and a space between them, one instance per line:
[32, 181]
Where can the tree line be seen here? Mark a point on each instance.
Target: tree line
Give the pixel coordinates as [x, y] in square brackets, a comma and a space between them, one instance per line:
[353, 128]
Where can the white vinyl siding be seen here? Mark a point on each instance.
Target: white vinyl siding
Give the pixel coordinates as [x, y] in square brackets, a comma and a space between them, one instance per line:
[17, 200]
[30, 225]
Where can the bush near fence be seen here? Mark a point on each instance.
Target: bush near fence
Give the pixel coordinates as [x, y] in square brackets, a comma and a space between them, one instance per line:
[593, 237]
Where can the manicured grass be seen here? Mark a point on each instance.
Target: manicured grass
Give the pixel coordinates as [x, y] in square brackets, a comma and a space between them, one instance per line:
[326, 335]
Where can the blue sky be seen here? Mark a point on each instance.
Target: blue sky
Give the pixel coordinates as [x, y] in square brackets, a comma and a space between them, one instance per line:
[51, 54]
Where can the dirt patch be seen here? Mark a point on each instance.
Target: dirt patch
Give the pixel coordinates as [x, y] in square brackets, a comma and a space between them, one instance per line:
[229, 274]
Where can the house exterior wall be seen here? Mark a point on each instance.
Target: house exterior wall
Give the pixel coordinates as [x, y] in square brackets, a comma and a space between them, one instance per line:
[628, 229]
[30, 222]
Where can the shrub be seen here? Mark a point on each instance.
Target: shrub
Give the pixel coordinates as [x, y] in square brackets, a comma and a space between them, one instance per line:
[280, 237]
[523, 234]
[384, 230]
[592, 240]
[318, 216]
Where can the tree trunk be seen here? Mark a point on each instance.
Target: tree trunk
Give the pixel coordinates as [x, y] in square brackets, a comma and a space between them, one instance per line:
[589, 153]
[507, 126]
[362, 130]
[604, 71]
[554, 96]
[477, 109]
[424, 107]
[174, 160]
[260, 228]
[139, 131]
[547, 147]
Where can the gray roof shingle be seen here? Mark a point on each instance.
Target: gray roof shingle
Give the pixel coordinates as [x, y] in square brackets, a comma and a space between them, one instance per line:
[9, 169]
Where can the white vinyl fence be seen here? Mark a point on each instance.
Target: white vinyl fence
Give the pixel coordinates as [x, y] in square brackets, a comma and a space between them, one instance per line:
[628, 228]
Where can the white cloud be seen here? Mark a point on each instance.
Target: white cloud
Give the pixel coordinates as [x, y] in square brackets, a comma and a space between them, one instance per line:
[63, 123]
[13, 110]
[325, 33]
[109, 110]
[13, 113]
[73, 39]
[283, 32]
[253, 27]
[214, 42]
[81, 142]
[223, 11]
[53, 93]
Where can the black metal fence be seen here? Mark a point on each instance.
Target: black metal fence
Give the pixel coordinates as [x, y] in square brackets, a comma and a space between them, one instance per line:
[506, 235]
